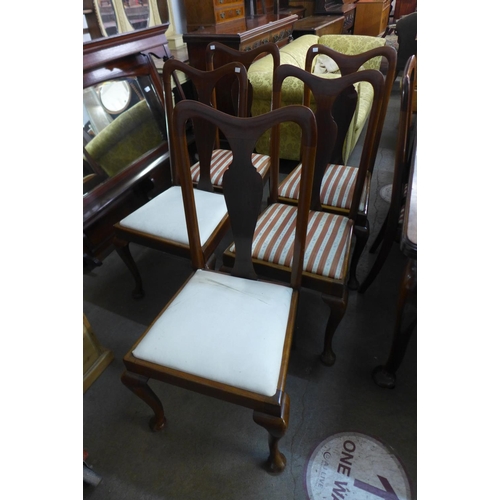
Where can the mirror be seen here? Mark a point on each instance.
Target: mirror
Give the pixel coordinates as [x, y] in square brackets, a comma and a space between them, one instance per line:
[115, 96]
[137, 12]
[122, 121]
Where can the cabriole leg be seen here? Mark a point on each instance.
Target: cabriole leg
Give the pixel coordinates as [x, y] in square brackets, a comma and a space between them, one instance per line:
[385, 375]
[138, 384]
[123, 250]
[276, 427]
[337, 311]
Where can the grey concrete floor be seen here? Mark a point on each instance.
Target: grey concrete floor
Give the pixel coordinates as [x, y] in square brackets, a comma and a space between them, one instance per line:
[212, 449]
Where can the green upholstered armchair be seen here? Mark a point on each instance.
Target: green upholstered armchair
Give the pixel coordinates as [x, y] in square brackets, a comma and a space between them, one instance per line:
[125, 139]
[260, 76]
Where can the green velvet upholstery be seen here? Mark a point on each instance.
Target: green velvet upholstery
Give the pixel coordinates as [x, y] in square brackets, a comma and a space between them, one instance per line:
[125, 139]
[260, 76]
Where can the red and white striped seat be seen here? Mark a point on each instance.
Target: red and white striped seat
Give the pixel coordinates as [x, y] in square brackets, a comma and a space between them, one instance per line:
[221, 159]
[327, 241]
[337, 186]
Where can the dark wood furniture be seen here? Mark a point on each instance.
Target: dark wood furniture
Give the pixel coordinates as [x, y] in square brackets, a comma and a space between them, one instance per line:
[406, 29]
[404, 7]
[318, 25]
[308, 5]
[300, 12]
[385, 375]
[242, 35]
[161, 223]
[346, 8]
[211, 13]
[284, 7]
[229, 336]
[107, 199]
[391, 228]
[218, 54]
[213, 160]
[403, 200]
[335, 183]
[372, 17]
[328, 245]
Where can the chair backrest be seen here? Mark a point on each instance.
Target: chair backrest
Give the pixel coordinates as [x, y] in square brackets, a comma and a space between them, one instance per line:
[326, 92]
[242, 185]
[349, 64]
[405, 142]
[406, 29]
[217, 54]
[204, 85]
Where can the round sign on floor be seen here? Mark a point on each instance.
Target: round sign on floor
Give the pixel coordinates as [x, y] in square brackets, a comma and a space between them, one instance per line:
[353, 466]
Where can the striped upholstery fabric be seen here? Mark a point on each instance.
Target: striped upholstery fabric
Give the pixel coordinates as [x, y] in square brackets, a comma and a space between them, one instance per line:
[326, 243]
[221, 159]
[337, 187]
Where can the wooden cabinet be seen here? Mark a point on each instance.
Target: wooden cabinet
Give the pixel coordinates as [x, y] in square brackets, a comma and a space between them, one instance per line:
[346, 8]
[209, 13]
[404, 7]
[318, 25]
[371, 17]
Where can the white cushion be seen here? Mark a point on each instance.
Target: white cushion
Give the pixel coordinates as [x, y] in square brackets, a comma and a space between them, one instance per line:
[325, 64]
[164, 215]
[222, 328]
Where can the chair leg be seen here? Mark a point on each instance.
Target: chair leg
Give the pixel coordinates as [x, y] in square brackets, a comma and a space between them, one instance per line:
[337, 311]
[379, 262]
[380, 236]
[385, 375]
[362, 234]
[123, 250]
[138, 384]
[276, 427]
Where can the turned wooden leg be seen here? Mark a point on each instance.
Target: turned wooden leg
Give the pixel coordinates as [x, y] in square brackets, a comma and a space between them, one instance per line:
[337, 310]
[276, 427]
[138, 384]
[123, 250]
[385, 376]
[362, 234]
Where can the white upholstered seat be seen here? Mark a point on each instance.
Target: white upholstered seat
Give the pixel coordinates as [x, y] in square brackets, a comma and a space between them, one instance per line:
[164, 215]
[238, 336]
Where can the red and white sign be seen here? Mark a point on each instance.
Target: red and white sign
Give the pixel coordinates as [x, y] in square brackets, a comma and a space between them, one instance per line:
[353, 466]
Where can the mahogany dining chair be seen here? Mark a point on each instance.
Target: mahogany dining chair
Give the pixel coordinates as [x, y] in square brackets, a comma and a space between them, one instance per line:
[328, 246]
[161, 223]
[335, 182]
[229, 336]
